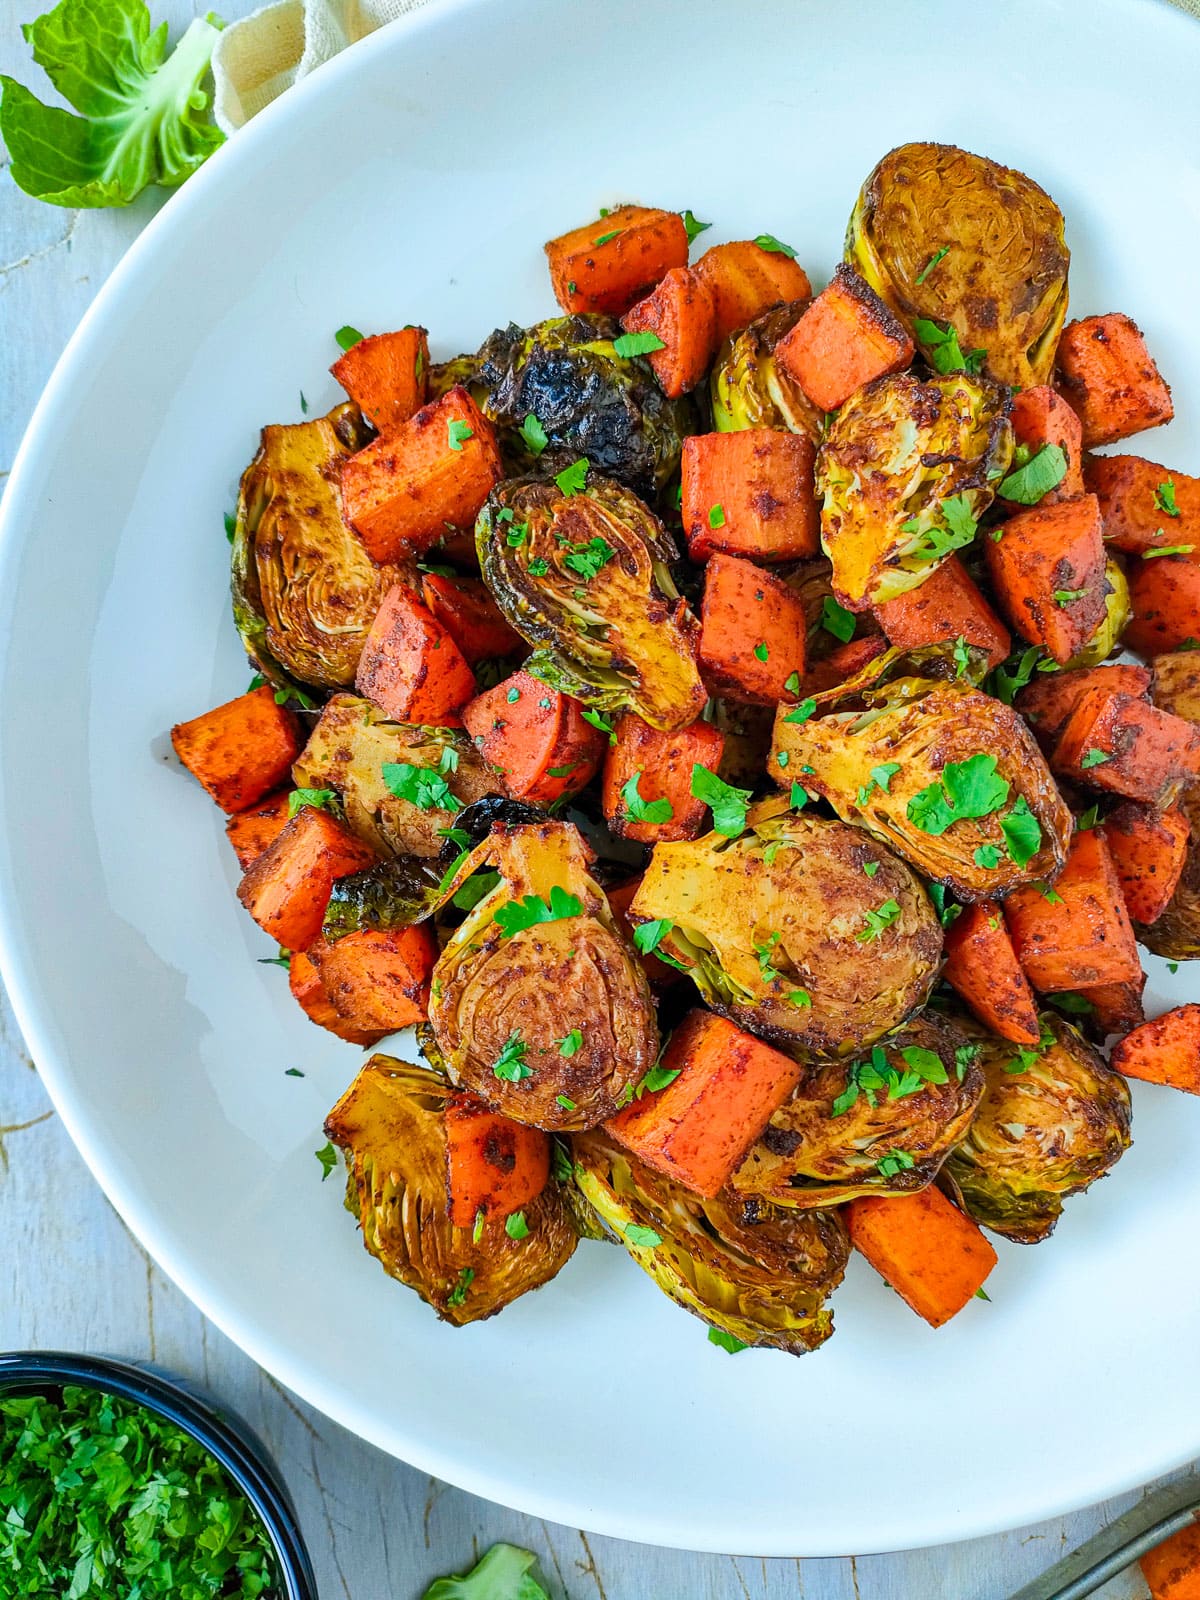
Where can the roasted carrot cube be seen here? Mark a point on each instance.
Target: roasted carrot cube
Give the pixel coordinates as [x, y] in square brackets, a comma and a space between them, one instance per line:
[620, 898]
[746, 280]
[750, 494]
[242, 750]
[847, 337]
[1075, 933]
[1172, 1568]
[1165, 1050]
[1048, 701]
[1145, 506]
[386, 375]
[609, 264]
[752, 631]
[659, 765]
[1116, 1007]
[1149, 849]
[251, 831]
[1048, 572]
[1129, 747]
[436, 469]
[1165, 595]
[410, 666]
[288, 887]
[681, 313]
[465, 608]
[494, 1165]
[699, 1128]
[305, 983]
[948, 605]
[925, 1247]
[378, 978]
[1040, 416]
[1110, 380]
[535, 739]
[982, 966]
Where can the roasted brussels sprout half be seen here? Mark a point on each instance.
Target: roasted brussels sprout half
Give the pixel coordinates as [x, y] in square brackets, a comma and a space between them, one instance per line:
[390, 1124]
[305, 591]
[1052, 1120]
[879, 1124]
[905, 471]
[783, 930]
[588, 401]
[392, 894]
[945, 775]
[538, 1003]
[585, 576]
[400, 786]
[748, 390]
[754, 1271]
[955, 240]
[1118, 609]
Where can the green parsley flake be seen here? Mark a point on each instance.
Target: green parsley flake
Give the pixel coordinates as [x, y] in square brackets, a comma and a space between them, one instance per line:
[761, 651]
[716, 516]
[587, 559]
[894, 1163]
[835, 619]
[347, 337]
[639, 810]
[645, 1237]
[539, 567]
[573, 479]
[956, 529]
[1094, 758]
[534, 434]
[1035, 477]
[513, 696]
[792, 683]
[510, 1063]
[877, 921]
[727, 1341]
[532, 909]
[605, 237]
[938, 255]
[565, 1101]
[945, 353]
[597, 720]
[230, 532]
[1167, 550]
[870, 868]
[694, 228]
[1164, 499]
[458, 433]
[480, 1222]
[638, 344]
[768, 241]
[420, 786]
[970, 788]
[327, 1156]
[729, 805]
[516, 1227]
[658, 1078]
[458, 1295]
[987, 856]
[1022, 833]
[881, 778]
[647, 936]
[803, 711]
[571, 1045]
[320, 799]
[1067, 597]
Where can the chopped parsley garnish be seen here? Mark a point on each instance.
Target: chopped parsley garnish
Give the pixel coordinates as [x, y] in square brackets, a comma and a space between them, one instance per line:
[938, 255]
[327, 1156]
[877, 1076]
[638, 344]
[1094, 758]
[539, 567]
[964, 1055]
[764, 952]
[876, 921]
[835, 619]
[792, 683]
[1086, 820]
[572, 479]
[956, 529]
[727, 1341]
[947, 912]
[716, 516]
[565, 1101]
[987, 856]
[870, 868]
[599, 720]
[694, 228]
[881, 778]
[534, 434]
[516, 1227]
[513, 696]
[768, 241]
[729, 805]
[970, 788]
[230, 531]
[420, 786]
[761, 650]
[647, 936]
[1164, 499]
[1168, 550]
[347, 337]
[480, 1223]
[531, 909]
[458, 433]
[1022, 832]
[322, 799]
[799, 796]
[605, 237]
[1073, 1004]
[294, 1072]
[645, 1237]
[510, 1063]
[639, 810]
[656, 1079]
[1066, 597]
[587, 559]
[803, 711]
[945, 353]
[894, 1163]
[458, 1295]
[1034, 476]
[283, 959]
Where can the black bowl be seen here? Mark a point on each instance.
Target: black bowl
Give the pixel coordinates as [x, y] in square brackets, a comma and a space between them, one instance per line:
[224, 1435]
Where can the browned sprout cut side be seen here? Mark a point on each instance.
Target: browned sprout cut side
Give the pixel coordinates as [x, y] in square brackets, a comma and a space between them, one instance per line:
[756, 1272]
[748, 389]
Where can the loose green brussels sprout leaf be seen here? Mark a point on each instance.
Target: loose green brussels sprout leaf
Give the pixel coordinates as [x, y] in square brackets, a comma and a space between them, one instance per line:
[538, 1003]
[586, 577]
[748, 390]
[587, 401]
[390, 1124]
[1052, 1120]
[955, 240]
[905, 471]
[947, 776]
[1118, 608]
[305, 592]
[783, 930]
[401, 786]
[755, 1271]
[881, 1123]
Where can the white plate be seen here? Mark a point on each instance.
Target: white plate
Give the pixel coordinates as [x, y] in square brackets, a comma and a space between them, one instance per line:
[414, 180]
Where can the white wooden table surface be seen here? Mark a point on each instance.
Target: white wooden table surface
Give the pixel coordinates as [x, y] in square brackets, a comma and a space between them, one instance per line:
[72, 1277]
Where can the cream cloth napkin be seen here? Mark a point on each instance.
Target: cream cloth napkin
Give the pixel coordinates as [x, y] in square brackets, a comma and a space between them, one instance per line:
[259, 57]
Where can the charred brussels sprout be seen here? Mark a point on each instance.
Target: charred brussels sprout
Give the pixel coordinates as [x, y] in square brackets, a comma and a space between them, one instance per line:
[587, 401]
[400, 785]
[392, 894]
[586, 577]
[783, 930]
[905, 471]
[1052, 1120]
[305, 591]
[755, 1271]
[945, 775]
[391, 1126]
[1118, 609]
[538, 1003]
[749, 391]
[952, 240]
[882, 1123]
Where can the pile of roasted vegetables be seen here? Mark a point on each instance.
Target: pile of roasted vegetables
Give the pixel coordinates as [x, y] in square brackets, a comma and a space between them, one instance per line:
[695, 713]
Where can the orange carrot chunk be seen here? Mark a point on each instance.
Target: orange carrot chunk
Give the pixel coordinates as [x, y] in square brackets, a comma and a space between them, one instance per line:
[242, 750]
[982, 966]
[410, 666]
[534, 738]
[752, 630]
[682, 313]
[251, 831]
[305, 983]
[1110, 380]
[1144, 505]
[745, 280]
[1116, 1007]
[437, 468]
[1126, 746]
[288, 887]
[1165, 1050]
[494, 1165]
[1048, 702]
[1149, 850]
[750, 493]
[387, 376]
[699, 1128]
[1040, 416]
[1047, 569]
[948, 605]
[647, 784]
[609, 264]
[1075, 933]
[847, 337]
[843, 663]
[1165, 595]
[465, 608]
[1172, 1568]
[378, 978]
[925, 1247]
